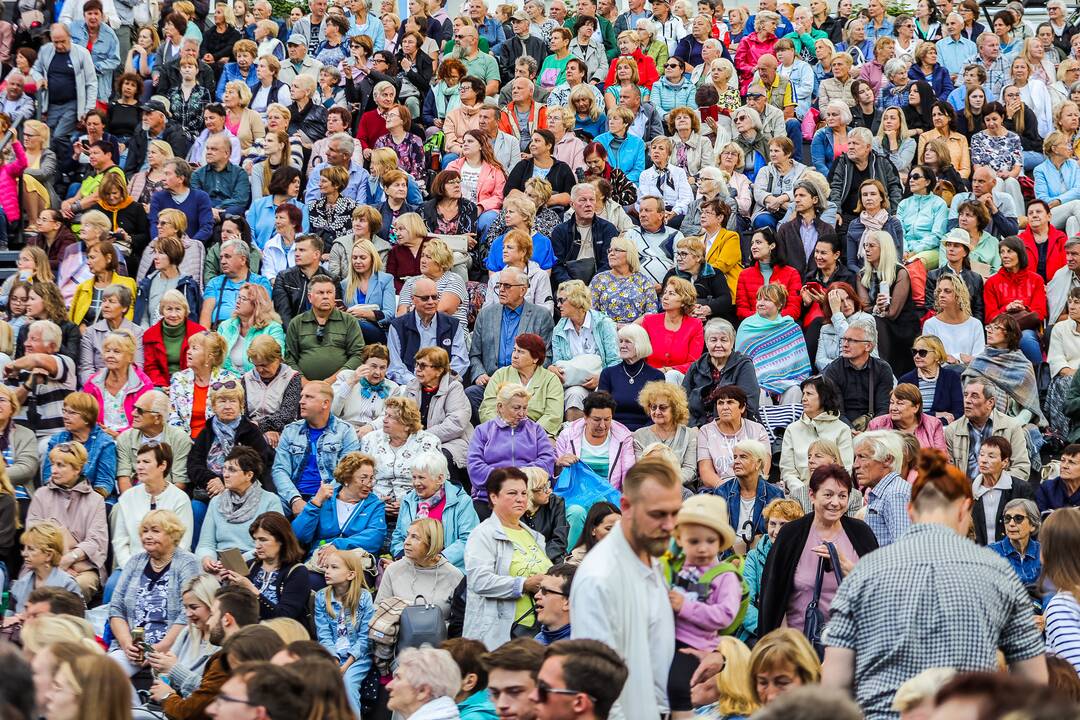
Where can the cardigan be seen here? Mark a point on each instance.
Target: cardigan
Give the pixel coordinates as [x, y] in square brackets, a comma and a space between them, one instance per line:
[948, 391]
[248, 435]
[778, 577]
[293, 593]
[125, 597]
[620, 443]
[459, 519]
[156, 364]
[132, 507]
[496, 444]
[84, 293]
[929, 432]
[449, 415]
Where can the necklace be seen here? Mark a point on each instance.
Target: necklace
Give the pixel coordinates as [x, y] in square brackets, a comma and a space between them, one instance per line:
[629, 377]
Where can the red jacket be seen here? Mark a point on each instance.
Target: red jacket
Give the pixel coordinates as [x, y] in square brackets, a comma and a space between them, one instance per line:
[751, 280]
[1024, 285]
[677, 350]
[647, 72]
[372, 127]
[155, 362]
[1055, 251]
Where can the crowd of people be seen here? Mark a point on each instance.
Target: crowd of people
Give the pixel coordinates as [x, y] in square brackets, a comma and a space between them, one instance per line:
[560, 361]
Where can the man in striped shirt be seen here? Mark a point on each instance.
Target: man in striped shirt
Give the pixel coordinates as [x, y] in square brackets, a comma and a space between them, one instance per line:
[42, 378]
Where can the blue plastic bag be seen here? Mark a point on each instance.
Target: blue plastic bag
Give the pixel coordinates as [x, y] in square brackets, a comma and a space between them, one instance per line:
[580, 485]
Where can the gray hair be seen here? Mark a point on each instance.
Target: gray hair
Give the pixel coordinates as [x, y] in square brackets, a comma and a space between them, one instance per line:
[887, 446]
[710, 172]
[530, 62]
[863, 134]
[242, 248]
[869, 328]
[719, 326]
[896, 65]
[431, 463]
[190, 41]
[712, 44]
[121, 293]
[1030, 509]
[343, 143]
[955, 14]
[755, 448]
[647, 25]
[1072, 242]
[429, 668]
[755, 117]
[575, 192]
[637, 335]
[987, 391]
[159, 403]
[767, 15]
[50, 332]
[841, 107]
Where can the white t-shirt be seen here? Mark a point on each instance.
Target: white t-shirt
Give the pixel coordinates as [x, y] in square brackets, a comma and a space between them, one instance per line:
[745, 528]
[967, 338]
[470, 181]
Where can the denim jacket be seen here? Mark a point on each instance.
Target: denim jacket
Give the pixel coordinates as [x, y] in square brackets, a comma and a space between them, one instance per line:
[356, 628]
[766, 493]
[337, 440]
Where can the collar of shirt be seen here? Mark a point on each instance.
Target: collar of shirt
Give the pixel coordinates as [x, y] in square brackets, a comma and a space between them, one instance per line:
[882, 488]
[513, 311]
[978, 489]
[1031, 552]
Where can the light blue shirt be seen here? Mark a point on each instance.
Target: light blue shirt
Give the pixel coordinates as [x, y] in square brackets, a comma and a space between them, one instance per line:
[357, 189]
[954, 54]
[224, 292]
[886, 508]
[372, 27]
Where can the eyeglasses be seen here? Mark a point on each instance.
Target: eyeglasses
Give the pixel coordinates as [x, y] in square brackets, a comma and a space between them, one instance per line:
[852, 340]
[548, 591]
[560, 301]
[681, 253]
[421, 365]
[673, 66]
[143, 411]
[459, 37]
[426, 298]
[543, 690]
[919, 352]
[914, 176]
[507, 286]
[224, 385]
[1018, 519]
[223, 698]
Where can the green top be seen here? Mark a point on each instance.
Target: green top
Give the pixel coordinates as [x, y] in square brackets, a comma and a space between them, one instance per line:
[607, 32]
[553, 71]
[528, 559]
[318, 359]
[173, 337]
[545, 405]
[806, 40]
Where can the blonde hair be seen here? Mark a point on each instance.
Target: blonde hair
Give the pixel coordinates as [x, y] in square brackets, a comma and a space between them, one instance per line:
[408, 412]
[172, 216]
[287, 629]
[584, 91]
[675, 396]
[577, 294]
[737, 694]
[376, 265]
[785, 646]
[414, 224]
[433, 535]
[236, 393]
[685, 290]
[633, 258]
[263, 349]
[174, 297]
[45, 536]
[41, 130]
[963, 295]
[42, 269]
[934, 344]
[350, 603]
[523, 205]
[538, 477]
[71, 453]
[121, 339]
[509, 391]
[783, 508]
[162, 147]
[886, 266]
[383, 159]
[166, 521]
[213, 345]
[243, 92]
[264, 308]
[41, 632]
[439, 253]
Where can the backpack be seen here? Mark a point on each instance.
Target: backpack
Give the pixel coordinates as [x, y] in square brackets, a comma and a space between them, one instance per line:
[383, 632]
[672, 563]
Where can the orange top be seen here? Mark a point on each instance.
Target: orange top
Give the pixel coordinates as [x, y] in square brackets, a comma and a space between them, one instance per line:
[198, 410]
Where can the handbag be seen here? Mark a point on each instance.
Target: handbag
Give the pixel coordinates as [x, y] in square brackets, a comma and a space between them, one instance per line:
[421, 624]
[814, 620]
[1027, 320]
[517, 630]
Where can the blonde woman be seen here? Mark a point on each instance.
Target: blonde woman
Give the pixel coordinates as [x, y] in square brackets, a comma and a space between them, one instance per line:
[729, 694]
[119, 383]
[579, 353]
[42, 551]
[186, 660]
[394, 447]
[365, 286]
[253, 316]
[569, 148]
[32, 266]
[19, 448]
[517, 249]
[173, 223]
[145, 183]
[885, 287]
[589, 116]
[667, 408]
[623, 293]
[188, 389]
[422, 569]
[38, 192]
[893, 139]
[240, 120]
[436, 262]
[731, 160]
[625, 74]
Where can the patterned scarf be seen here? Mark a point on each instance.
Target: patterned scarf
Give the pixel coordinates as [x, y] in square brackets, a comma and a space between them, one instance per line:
[368, 390]
[424, 506]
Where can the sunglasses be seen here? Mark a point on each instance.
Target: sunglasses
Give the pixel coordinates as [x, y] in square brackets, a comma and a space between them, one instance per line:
[913, 176]
[548, 591]
[673, 66]
[224, 385]
[1013, 519]
[543, 690]
[320, 334]
[919, 352]
[425, 298]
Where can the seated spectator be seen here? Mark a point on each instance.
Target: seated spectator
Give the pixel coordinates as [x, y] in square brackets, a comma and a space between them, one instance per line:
[119, 383]
[42, 379]
[253, 316]
[859, 160]
[621, 381]
[1063, 359]
[279, 253]
[271, 389]
[864, 381]
[810, 203]
[148, 425]
[322, 341]
[45, 302]
[1018, 290]
[235, 260]
[841, 307]
[112, 315]
[165, 343]
[1022, 521]
[275, 573]
[148, 593]
[188, 388]
[873, 216]
[820, 420]
[130, 226]
[923, 217]
[719, 365]
[440, 396]
[767, 254]
[411, 331]
[519, 213]
[955, 260]
[939, 386]
[345, 517]
[624, 292]
[359, 395]
[225, 429]
[605, 445]
[168, 254]
[225, 182]
[878, 461]
[43, 552]
[667, 409]
[624, 152]
[516, 250]
[885, 286]
[715, 439]
[18, 447]
[483, 176]
[906, 415]
[311, 447]
[436, 262]
[187, 659]
[423, 569]
[172, 223]
[240, 497]
[833, 135]
[152, 466]
[179, 195]
[1001, 366]
[749, 466]
[527, 368]
[981, 415]
[961, 334]
[363, 279]
[583, 339]
[569, 148]
[775, 345]
[993, 489]
[284, 187]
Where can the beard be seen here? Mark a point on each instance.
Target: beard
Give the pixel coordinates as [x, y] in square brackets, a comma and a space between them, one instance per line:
[655, 546]
[216, 635]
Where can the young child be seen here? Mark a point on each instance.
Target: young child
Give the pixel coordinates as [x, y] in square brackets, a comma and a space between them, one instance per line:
[777, 514]
[43, 549]
[709, 597]
[343, 612]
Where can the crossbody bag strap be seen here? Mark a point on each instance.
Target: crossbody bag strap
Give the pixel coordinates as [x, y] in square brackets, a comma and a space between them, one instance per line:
[834, 557]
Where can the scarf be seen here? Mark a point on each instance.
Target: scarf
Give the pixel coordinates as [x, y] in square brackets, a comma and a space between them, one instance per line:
[1011, 377]
[115, 209]
[368, 390]
[424, 506]
[872, 223]
[241, 509]
[777, 349]
[446, 98]
[225, 433]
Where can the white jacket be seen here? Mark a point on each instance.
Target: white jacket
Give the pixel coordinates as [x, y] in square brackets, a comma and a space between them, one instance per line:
[797, 439]
[129, 512]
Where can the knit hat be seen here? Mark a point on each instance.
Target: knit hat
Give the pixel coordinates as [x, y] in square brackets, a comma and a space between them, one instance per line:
[709, 511]
[534, 345]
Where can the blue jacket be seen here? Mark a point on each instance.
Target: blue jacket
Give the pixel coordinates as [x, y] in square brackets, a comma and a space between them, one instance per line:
[376, 194]
[630, 157]
[337, 440]
[196, 208]
[380, 292]
[106, 54]
[1054, 184]
[666, 96]
[940, 79]
[231, 72]
[593, 127]
[603, 330]
[477, 707]
[821, 150]
[766, 493]
[185, 284]
[365, 527]
[753, 566]
[458, 519]
[100, 467]
[948, 393]
[326, 629]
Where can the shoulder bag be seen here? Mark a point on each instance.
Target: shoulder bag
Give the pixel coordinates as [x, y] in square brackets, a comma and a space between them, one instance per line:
[814, 620]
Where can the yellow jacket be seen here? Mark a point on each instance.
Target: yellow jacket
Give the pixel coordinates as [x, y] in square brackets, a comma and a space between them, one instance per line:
[725, 254]
[84, 294]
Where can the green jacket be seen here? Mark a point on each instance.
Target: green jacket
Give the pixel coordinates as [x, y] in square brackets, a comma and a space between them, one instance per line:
[607, 31]
[212, 262]
[545, 406]
[806, 40]
[340, 347]
[229, 330]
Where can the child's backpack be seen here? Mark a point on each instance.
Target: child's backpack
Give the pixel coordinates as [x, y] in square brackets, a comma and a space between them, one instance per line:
[672, 563]
[383, 632]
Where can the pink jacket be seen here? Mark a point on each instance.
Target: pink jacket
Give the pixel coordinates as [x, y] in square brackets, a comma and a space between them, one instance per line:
[747, 55]
[489, 193]
[138, 383]
[9, 182]
[80, 511]
[620, 449]
[930, 433]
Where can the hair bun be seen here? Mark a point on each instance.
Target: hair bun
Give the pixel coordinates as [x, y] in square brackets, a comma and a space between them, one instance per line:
[932, 462]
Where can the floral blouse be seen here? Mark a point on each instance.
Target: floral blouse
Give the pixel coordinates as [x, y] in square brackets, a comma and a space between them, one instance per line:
[999, 153]
[410, 154]
[182, 395]
[189, 113]
[623, 299]
[331, 222]
[393, 474]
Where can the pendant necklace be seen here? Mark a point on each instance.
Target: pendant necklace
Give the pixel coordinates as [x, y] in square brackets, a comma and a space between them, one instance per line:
[629, 377]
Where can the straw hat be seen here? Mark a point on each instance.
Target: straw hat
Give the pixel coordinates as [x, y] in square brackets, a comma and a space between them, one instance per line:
[709, 511]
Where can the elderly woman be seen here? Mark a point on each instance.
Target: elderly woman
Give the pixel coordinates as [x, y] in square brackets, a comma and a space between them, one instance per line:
[119, 383]
[275, 574]
[115, 305]
[42, 550]
[331, 214]
[520, 213]
[236, 496]
[72, 269]
[253, 316]
[517, 249]
[623, 191]
[821, 400]
[271, 389]
[226, 429]
[774, 184]
[827, 140]
[569, 148]
[68, 500]
[165, 343]
[1019, 546]
[188, 388]
[939, 386]
[605, 445]
[625, 380]
[148, 595]
[775, 344]
[713, 297]
[360, 395]
[345, 516]
[422, 568]
[499, 592]
[425, 683]
[841, 307]
[279, 253]
[754, 45]
[18, 447]
[692, 150]
[716, 439]
[394, 446]
[511, 439]
[153, 490]
[751, 140]
[798, 553]
[582, 344]
[168, 254]
[926, 68]
[718, 366]
[446, 211]
[838, 87]
[625, 152]
[1063, 357]
[444, 410]
[1008, 373]
[173, 223]
[44, 302]
[527, 368]
[747, 492]
[433, 497]
[80, 412]
[667, 408]
[993, 488]
[548, 515]
[675, 333]
[436, 263]
[1057, 181]
[906, 415]
[624, 293]
[284, 187]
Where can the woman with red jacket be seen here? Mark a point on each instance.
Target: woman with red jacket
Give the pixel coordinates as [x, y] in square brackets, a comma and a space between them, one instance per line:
[1016, 288]
[677, 337]
[770, 266]
[1044, 243]
[165, 343]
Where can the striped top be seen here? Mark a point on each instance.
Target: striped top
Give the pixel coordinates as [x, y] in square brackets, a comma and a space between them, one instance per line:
[1063, 628]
